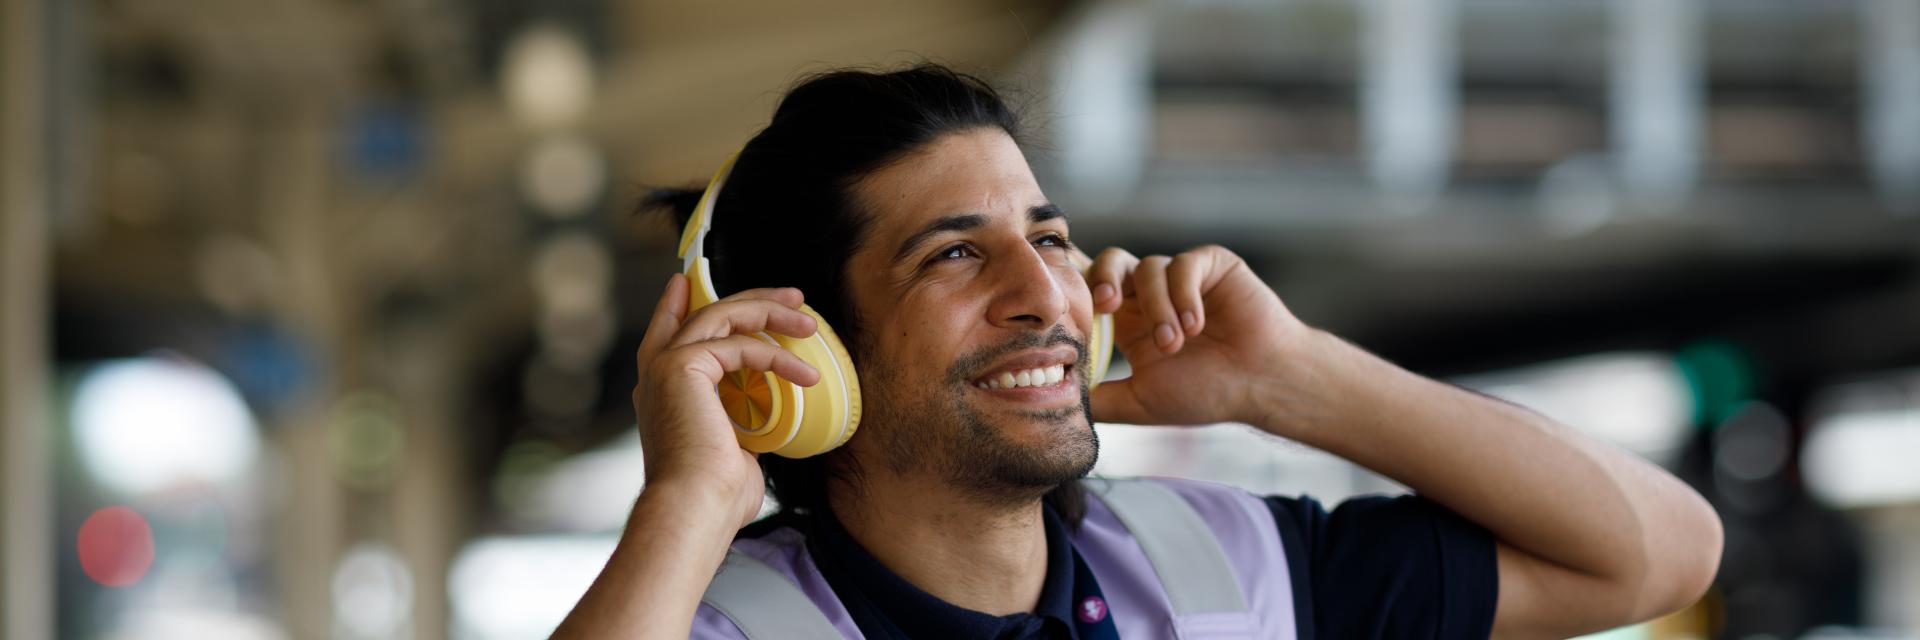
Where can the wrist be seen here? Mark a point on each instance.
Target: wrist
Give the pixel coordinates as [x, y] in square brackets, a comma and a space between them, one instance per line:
[1294, 395]
[685, 506]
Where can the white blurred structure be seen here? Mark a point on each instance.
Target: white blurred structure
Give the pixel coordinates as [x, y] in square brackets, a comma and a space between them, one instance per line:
[522, 587]
[1656, 98]
[1637, 401]
[150, 423]
[1409, 98]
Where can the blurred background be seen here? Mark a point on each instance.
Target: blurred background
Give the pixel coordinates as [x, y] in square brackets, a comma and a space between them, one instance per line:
[317, 316]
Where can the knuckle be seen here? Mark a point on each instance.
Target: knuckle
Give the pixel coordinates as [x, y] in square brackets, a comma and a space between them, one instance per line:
[745, 346]
[661, 366]
[706, 313]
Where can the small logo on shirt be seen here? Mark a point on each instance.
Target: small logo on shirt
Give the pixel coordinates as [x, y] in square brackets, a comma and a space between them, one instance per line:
[1093, 609]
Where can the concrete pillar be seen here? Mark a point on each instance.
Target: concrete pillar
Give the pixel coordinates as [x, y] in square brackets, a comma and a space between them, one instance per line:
[26, 481]
[1409, 98]
[1656, 99]
[1103, 102]
[1890, 99]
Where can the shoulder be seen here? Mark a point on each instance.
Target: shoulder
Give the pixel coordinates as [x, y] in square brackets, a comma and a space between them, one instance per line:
[784, 551]
[1239, 520]
[710, 624]
[1390, 566]
[1239, 524]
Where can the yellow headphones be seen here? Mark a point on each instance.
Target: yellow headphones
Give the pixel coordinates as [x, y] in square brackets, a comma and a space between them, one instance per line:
[770, 414]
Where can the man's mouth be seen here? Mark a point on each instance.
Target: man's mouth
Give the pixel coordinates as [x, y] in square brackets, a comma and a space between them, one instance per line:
[1034, 377]
[1036, 372]
[1031, 369]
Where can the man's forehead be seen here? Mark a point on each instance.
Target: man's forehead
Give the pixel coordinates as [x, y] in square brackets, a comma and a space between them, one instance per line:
[977, 172]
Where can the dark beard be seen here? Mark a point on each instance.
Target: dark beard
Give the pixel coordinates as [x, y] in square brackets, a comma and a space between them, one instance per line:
[940, 431]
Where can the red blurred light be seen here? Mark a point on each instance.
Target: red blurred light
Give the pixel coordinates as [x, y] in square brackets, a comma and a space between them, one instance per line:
[116, 546]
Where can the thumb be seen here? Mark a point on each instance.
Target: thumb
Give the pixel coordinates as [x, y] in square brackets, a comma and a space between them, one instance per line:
[1115, 401]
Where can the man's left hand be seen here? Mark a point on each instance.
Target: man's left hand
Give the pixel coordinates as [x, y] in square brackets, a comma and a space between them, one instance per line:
[1205, 336]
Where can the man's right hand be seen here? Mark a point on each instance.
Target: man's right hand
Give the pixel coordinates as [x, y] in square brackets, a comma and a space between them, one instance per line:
[701, 486]
[685, 435]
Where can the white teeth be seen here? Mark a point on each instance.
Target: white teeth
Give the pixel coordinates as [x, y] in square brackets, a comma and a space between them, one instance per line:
[1026, 378]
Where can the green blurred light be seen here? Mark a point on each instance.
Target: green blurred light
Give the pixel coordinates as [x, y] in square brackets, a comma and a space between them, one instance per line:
[1719, 376]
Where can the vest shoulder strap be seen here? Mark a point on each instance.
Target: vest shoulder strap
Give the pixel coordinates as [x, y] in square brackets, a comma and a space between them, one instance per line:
[1189, 561]
[764, 604]
[1177, 542]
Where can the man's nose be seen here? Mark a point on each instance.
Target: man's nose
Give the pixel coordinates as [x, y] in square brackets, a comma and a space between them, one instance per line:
[1029, 293]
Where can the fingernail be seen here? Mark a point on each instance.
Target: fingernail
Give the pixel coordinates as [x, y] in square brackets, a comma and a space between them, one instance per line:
[1189, 320]
[1163, 334]
[1102, 292]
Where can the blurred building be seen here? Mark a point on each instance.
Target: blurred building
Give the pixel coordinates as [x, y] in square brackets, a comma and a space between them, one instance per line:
[316, 316]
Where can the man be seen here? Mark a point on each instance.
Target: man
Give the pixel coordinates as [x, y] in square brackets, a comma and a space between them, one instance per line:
[902, 207]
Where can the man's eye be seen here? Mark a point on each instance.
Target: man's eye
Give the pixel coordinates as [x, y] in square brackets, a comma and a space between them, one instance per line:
[1052, 240]
[954, 252]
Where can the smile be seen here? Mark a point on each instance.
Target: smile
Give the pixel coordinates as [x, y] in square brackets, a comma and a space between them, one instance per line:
[1036, 377]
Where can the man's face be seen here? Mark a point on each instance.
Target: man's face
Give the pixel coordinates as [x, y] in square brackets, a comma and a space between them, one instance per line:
[966, 283]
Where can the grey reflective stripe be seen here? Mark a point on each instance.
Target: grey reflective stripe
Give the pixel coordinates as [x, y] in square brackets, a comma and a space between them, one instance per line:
[763, 603]
[1192, 567]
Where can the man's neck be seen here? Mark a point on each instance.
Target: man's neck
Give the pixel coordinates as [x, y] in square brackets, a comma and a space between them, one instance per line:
[973, 554]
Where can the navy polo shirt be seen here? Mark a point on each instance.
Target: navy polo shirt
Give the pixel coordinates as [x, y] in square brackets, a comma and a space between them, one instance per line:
[887, 606]
[1375, 567]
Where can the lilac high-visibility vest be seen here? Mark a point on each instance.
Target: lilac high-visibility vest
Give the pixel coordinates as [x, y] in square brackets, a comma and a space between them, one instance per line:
[1174, 558]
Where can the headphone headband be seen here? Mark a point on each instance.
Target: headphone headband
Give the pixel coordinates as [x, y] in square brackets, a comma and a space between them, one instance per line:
[693, 239]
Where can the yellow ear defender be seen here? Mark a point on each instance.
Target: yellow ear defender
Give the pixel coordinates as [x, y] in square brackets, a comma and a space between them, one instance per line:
[772, 415]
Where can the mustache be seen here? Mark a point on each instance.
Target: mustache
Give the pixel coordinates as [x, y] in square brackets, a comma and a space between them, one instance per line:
[969, 365]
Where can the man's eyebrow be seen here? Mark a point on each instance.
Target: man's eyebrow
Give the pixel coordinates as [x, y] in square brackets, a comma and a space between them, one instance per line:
[960, 222]
[1044, 212]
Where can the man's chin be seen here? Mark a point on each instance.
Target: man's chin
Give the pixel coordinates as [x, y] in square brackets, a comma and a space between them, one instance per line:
[1026, 457]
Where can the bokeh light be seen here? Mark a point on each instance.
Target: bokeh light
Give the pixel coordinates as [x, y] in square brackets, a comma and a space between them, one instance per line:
[562, 175]
[521, 587]
[547, 77]
[366, 440]
[1865, 458]
[149, 423]
[372, 592]
[115, 546]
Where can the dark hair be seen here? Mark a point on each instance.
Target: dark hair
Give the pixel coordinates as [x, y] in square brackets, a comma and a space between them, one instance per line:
[797, 177]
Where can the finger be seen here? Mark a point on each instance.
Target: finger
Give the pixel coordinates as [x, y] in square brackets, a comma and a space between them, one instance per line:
[1115, 401]
[731, 317]
[1186, 277]
[1150, 295]
[788, 297]
[667, 314]
[713, 359]
[1107, 277]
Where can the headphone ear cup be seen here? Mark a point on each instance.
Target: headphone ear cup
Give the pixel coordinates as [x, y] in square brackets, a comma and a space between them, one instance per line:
[830, 410]
[850, 378]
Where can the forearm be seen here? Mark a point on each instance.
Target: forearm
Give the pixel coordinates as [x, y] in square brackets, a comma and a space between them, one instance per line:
[1538, 486]
[673, 543]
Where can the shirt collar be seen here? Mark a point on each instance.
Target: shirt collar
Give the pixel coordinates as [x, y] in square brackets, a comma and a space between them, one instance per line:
[902, 607]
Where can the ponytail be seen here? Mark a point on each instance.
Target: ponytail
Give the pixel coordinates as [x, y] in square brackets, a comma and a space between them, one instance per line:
[678, 202]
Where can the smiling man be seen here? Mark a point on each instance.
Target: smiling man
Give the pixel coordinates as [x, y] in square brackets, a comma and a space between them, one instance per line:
[900, 206]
